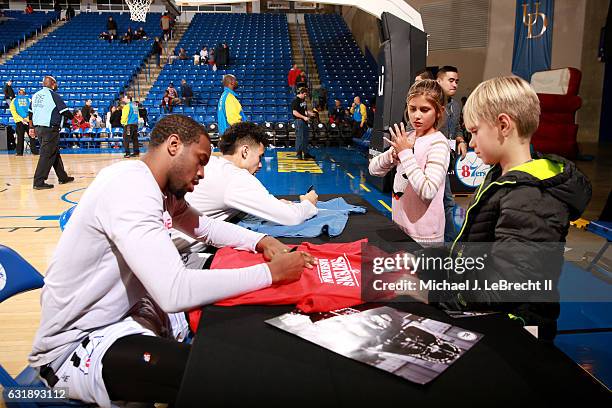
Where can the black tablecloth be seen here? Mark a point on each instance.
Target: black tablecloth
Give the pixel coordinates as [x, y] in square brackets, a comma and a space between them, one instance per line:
[239, 360]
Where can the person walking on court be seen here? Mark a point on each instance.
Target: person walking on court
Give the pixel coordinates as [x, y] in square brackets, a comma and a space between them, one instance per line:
[229, 110]
[20, 107]
[129, 120]
[47, 114]
[301, 116]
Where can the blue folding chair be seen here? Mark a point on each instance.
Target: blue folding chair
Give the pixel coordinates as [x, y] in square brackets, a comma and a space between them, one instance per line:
[17, 276]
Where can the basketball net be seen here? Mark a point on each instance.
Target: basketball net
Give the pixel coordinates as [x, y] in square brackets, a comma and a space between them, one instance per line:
[138, 9]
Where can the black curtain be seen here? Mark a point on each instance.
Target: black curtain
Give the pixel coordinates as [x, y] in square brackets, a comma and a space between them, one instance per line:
[605, 122]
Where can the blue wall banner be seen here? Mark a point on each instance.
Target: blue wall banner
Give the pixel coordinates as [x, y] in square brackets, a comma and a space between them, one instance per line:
[532, 37]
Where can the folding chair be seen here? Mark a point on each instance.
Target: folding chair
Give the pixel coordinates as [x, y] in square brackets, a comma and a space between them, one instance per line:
[19, 276]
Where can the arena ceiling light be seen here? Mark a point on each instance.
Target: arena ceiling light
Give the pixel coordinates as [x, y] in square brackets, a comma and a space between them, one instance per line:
[398, 8]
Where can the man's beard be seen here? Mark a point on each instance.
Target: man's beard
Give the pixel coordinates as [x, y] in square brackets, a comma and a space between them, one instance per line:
[176, 190]
[179, 193]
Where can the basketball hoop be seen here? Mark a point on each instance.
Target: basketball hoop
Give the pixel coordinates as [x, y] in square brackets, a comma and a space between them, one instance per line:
[138, 9]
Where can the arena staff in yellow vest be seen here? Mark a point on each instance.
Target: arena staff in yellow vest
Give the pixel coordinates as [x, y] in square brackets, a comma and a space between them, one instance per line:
[360, 115]
[129, 120]
[20, 107]
[229, 110]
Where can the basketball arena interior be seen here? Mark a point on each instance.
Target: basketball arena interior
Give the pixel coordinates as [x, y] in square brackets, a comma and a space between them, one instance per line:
[94, 88]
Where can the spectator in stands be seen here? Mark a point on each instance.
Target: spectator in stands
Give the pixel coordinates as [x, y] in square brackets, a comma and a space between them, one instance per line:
[204, 55]
[70, 13]
[140, 34]
[171, 55]
[183, 54]
[211, 57]
[105, 36]
[115, 118]
[423, 74]
[229, 110]
[301, 81]
[78, 122]
[95, 121]
[186, 93]
[9, 94]
[157, 51]
[166, 102]
[338, 114]
[301, 116]
[228, 189]
[226, 55]
[315, 98]
[165, 22]
[222, 55]
[87, 110]
[109, 114]
[143, 114]
[196, 59]
[173, 93]
[20, 106]
[111, 27]
[29, 9]
[322, 98]
[448, 78]
[128, 36]
[360, 116]
[57, 7]
[292, 77]
[129, 120]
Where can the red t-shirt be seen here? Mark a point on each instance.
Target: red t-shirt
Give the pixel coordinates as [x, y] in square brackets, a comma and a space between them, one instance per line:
[334, 283]
[292, 77]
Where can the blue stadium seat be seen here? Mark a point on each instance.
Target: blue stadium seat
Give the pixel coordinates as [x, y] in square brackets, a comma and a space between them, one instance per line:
[260, 53]
[77, 40]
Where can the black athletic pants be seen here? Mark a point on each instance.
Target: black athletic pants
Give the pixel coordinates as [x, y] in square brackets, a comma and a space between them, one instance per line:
[130, 132]
[20, 129]
[49, 155]
[142, 368]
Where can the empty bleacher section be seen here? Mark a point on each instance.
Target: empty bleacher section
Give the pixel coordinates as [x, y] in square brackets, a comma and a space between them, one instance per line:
[343, 69]
[84, 66]
[16, 26]
[260, 57]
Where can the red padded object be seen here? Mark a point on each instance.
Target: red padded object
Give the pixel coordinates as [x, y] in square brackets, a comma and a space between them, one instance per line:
[558, 129]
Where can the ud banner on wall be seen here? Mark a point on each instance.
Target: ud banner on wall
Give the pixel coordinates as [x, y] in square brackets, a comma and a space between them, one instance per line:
[532, 37]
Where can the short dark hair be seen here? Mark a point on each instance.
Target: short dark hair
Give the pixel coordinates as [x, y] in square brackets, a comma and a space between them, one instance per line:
[241, 133]
[425, 74]
[188, 130]
[446, 68]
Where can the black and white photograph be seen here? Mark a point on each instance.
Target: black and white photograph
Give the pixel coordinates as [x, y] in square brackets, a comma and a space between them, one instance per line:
[409, 346]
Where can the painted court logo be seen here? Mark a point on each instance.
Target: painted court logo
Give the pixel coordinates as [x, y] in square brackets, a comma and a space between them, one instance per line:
[2, 277]
[471, 171]
[337, 271]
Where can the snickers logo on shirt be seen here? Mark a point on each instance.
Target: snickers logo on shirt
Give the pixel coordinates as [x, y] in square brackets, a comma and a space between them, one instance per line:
[337, 271]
